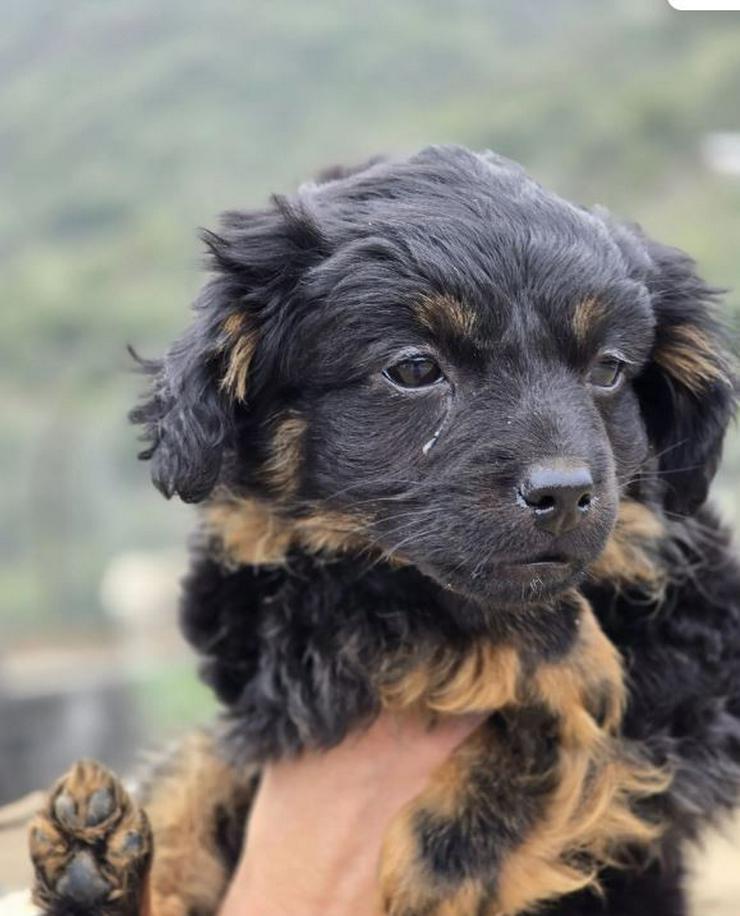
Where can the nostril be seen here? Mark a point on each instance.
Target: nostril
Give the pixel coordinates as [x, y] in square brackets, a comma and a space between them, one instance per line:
[584, 501]
[542, 503]
[537, 500]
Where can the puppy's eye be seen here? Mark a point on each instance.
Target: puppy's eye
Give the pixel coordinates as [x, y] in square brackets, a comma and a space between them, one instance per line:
[415, 372]
[606, 372]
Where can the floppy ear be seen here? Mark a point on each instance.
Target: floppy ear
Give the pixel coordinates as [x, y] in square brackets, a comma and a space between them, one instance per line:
[688, 392]
[186, 416]
[204, 379]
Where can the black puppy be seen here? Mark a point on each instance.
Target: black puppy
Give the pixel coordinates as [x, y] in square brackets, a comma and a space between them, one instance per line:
[453, 436]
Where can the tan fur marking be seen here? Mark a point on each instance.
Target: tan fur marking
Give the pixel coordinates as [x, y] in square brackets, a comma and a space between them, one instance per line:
[629, 557]
[283, 466]
[242, 342]
[466, 900]
[445, 314]
[252, 533]
[689, 356]
[590, 814]
[187, 872]
[330, 532]
[586, 316]
[234, 325]
[484, 679]
[249, 532]
[400, 878]
[592, 669]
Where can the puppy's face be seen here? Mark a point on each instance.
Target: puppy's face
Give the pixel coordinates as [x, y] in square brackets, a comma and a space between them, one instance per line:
[444, 362]
[484, 437]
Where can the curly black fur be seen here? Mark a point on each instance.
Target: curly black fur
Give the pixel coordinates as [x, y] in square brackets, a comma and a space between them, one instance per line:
[329, 283]
[294, 653]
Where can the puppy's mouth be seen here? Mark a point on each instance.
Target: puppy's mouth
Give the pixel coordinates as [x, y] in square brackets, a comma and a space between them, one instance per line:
[515, 579]
[546, 564]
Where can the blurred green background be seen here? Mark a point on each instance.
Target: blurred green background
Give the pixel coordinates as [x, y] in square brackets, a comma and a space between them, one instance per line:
[125, 125]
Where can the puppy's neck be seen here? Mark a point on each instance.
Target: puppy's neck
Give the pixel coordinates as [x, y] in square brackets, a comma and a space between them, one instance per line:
[324, 556]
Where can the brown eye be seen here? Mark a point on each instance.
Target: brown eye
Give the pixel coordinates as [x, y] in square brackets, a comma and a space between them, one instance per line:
[415, 372]
[606, 372]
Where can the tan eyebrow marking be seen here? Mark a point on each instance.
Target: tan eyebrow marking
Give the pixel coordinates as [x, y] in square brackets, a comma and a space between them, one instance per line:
[243, 341]
[588, 313]
[686, 353]
[445, 314]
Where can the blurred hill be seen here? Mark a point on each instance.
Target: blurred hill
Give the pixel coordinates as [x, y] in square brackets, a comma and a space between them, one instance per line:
[123, 126]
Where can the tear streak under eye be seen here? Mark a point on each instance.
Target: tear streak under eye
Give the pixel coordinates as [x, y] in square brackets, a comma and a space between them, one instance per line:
[429, 444]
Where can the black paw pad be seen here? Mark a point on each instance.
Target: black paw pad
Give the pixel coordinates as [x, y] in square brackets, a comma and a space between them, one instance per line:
[65, 810]
[82, 881]
[99, 807]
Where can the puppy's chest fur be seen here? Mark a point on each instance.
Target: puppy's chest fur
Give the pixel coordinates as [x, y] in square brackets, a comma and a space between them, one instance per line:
[302, 651]
[301, 644]
[542, 795]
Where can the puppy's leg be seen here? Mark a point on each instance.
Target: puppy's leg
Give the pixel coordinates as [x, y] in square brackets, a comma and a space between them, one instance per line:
[535, 802]
[444, 853]
[94, 852]
[91, 846]
[198, 805]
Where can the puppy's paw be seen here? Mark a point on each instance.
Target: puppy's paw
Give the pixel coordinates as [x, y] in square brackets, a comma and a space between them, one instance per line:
[91, 846]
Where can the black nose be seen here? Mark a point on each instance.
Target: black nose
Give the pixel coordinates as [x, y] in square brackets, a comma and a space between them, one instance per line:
[559, 494]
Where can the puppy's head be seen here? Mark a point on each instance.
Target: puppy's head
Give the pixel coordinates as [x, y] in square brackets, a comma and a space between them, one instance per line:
[437, 359]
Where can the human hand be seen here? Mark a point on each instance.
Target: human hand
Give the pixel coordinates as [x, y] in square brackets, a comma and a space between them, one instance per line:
[316, 828]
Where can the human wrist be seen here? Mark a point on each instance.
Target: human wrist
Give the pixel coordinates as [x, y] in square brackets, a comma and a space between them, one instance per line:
[340, 880]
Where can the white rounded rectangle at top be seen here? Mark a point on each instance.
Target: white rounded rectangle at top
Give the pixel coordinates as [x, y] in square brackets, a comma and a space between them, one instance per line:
[707, 6]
